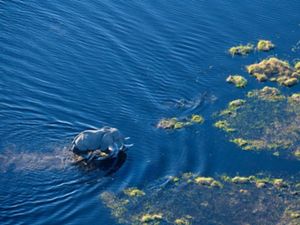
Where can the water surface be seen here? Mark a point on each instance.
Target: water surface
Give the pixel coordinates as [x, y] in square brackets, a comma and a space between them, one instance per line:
[66, 66]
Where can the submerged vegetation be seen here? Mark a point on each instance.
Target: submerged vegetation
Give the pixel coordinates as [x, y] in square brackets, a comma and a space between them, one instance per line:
[237, 80]
[177, 123]
[193, 199]
[274, 69]
[266, 120]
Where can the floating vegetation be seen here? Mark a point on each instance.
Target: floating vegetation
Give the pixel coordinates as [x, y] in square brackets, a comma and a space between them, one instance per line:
[241, 49]
[237, 80]
[193, 199]
[176, 123]
[264, 45]
[274, 69]
[266, 120]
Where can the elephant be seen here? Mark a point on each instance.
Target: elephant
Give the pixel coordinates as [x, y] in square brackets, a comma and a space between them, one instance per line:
[99, 144]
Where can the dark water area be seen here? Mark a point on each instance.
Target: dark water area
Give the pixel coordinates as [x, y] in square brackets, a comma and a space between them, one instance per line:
[67, 66]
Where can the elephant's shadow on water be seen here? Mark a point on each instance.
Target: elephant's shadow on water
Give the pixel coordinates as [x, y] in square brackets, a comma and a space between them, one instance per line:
[108, 166]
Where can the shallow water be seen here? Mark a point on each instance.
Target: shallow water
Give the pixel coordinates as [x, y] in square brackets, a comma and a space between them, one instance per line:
[69, 66]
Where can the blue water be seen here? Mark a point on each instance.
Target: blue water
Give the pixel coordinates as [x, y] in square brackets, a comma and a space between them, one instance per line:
[66, 66]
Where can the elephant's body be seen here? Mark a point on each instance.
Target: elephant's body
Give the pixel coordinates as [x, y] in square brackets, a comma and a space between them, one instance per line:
[90, 142]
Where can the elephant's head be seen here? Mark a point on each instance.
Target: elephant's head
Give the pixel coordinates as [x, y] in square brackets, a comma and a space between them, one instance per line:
[112, 140]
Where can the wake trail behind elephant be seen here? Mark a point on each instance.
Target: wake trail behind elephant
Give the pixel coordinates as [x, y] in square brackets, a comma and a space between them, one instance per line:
[13, 160]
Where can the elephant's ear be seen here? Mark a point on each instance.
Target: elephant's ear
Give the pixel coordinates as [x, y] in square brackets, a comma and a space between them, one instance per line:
[106, 141]
[118, 136]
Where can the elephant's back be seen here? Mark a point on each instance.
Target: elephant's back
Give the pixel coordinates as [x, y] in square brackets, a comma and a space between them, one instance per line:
[88, 140]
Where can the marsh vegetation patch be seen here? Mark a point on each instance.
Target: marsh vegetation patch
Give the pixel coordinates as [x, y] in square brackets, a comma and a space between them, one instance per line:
[265, 120]
[192, 199]
[276, 70]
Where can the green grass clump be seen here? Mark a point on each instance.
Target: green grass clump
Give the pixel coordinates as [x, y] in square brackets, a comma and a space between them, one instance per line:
[240, 180]
[267, 94]
[208, 181]
[133, 192]
[197, 119]
[237, 80]
[179, 123]
[288, 82]
[183, 221]
[224, 125]
[297, 66]
[297, 153]
[265, 45]
[147, 218]
[241, 49]
[259, 182]
[274, 69]
[167, 123]
[236, 103]
[240, 141]
[260, 77]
